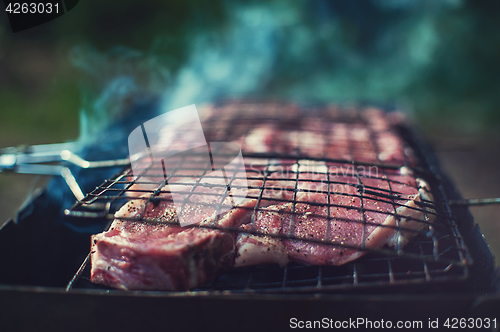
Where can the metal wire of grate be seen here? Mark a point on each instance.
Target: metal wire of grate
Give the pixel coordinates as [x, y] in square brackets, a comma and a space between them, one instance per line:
[304, 172]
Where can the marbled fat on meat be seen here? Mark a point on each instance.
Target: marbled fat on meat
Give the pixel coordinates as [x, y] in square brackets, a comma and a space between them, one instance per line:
[138, 255]
[346, 226]
[154, 252]
[158, 254]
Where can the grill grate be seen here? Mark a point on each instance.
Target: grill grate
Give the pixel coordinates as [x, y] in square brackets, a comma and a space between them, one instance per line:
[437, 253]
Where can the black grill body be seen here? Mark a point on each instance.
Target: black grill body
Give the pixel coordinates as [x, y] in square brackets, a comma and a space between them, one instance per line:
[42, 250]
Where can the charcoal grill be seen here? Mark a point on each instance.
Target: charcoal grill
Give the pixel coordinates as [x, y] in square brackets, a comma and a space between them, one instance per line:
[448, 262]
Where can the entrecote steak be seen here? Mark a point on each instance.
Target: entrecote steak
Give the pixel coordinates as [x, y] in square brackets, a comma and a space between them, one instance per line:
[310, 191]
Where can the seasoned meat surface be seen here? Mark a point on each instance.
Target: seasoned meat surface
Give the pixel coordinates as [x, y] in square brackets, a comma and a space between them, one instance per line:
[317, 179]
[156, 253]
[138, 255]
[338, 220]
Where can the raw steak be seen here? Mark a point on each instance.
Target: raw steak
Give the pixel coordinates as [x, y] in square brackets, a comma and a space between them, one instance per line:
[158, 254]
[154, 252]
[346, 227]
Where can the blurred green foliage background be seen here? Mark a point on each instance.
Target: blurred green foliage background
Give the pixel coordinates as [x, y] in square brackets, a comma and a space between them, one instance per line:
[437, 59]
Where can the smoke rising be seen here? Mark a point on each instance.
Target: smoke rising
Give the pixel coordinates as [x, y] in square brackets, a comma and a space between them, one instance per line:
[407, 53]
